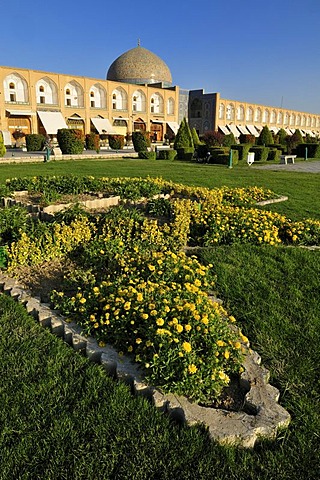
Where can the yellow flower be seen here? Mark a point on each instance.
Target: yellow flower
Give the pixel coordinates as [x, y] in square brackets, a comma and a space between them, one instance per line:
[220, 343]
[153, 313]
[237, 345]
[187, 347]
[82, 300]
[144, 316]
[192, 369]
[127, 305]
[101, 343]
[151, 268]
[130, 348]
[138, 341]
[160, 322]
[179, 328]
[139, 297]
[226, 354]
[187, 328]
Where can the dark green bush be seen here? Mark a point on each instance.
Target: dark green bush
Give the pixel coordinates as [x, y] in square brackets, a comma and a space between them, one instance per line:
[140, 141]
[185, 153]
[313, 150]
[116, 142]
[224, 158]
[215, 151]
[243, 150]
[145, 155]
[35, 142]
[202, 151]
[274, 154]
[260, 153]
[229, 140]
[93, 142]
[184, 137]
[70, 141]
[166, 154]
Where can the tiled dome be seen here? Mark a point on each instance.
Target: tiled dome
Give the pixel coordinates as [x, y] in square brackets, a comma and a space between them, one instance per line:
[139, 65]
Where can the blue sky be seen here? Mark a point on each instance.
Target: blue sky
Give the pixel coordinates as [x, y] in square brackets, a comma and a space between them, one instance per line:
[257, 51]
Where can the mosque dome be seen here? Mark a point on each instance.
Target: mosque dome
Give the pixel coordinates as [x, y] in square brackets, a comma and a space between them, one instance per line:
[139, 66]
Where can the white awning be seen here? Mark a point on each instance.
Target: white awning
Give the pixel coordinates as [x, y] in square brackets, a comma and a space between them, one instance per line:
[252, 130]
[243, 129]
[120, 118]
[287, 130]
[174, 127]
[275, 130]
[233, 129]
[224, 129]
[26, 113]
[6, 135]
[52, 121]
[103, 125]
[157, 121]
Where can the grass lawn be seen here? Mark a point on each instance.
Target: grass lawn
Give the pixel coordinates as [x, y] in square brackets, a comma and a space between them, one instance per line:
[301, 188]
[61, 418]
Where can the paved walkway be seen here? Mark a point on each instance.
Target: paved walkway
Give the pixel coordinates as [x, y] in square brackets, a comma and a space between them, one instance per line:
[306, 166]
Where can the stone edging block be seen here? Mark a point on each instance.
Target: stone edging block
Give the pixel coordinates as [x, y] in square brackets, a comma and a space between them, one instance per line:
[261, 417]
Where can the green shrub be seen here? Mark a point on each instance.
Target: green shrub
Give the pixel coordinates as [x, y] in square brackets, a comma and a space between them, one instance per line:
[215, 151]
[185, 153]
[93, 142]
[184, 137]
[141, 141]
[223, 158]
[195, 137]
[260, 153]
[2, 147]
[265, 137]
[229, 140]
[35, 142]
[70, 141]
[212, 139]
[243, 150]
[146, 155]
[116, 142]
[274, 154]
[166, 154]
[313, 150]
[282, 135]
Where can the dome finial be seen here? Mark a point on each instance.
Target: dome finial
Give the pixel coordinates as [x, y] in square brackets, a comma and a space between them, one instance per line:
[138, 42]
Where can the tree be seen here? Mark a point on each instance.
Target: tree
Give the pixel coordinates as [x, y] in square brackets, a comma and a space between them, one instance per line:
[282, 135]
[265, 137]
[294, 140]
[184, 137]
[229, 140]
[213, 139]
[195, 137]
[2, 147]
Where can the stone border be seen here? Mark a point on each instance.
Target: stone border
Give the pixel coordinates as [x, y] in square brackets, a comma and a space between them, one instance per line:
[261, 417]
[281, 198]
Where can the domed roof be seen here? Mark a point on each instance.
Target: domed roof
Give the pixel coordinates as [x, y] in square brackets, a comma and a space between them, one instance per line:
[139, 65]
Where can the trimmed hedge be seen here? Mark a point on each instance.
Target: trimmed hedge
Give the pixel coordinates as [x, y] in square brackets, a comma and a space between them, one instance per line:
[313, 150]
[141, 141]
[145, 155]
[243, 150]
[70, 141]
[116, 142]
[35, 142]
[274, 154]
[93, 142]
[166, 154]
[2, 147]
[224, 158]
[185, 153]
[260, 153]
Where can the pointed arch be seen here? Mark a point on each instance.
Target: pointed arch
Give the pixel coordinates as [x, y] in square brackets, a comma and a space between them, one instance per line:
[98, 96]
[15, 88]
[46, 91]
[156, 103]
[138, 101]
[73, 94]
[119, 99]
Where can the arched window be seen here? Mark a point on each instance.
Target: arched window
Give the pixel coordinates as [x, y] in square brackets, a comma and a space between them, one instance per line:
[230, 112]
[170, 106]
[298, 120]
[292, 119]
[156, 103]
[308, 121]
[304, 121]
[266, 116]
[280, 118]
[221, 111]
[98, 96]
[73, 95]
[273, 117]
[47, 91]
[15, 89]
[313, 122]
[258, 115]
[249, 115]
[138, 101]
[119, 99]
[196, 108]
[286, 118]
[240, 113]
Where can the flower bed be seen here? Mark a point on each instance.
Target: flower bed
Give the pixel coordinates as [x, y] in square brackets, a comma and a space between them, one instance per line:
[135, 289]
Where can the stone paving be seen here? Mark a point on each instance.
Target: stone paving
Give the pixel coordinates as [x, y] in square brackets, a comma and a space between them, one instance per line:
[306, 166]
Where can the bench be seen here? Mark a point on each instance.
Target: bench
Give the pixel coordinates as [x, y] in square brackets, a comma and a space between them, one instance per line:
[285, 159]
